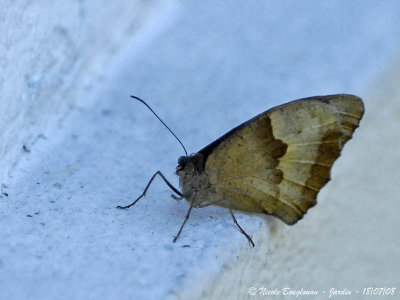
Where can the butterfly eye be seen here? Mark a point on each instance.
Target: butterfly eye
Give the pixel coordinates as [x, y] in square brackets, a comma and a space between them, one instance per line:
[182, 161]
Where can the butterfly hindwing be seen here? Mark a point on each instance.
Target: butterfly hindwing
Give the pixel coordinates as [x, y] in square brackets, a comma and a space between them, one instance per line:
[278, 161]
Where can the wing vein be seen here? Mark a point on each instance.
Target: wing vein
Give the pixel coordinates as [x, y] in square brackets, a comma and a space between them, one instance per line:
[291, 205]
[314, 143]
[319, 125]
[306, 162]
[301, 184]
[349, 115]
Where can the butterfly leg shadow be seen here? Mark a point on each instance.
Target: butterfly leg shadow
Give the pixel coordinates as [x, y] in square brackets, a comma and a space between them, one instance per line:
[147, 187]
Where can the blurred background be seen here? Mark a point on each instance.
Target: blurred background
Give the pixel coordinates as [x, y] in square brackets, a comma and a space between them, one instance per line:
[73, 146]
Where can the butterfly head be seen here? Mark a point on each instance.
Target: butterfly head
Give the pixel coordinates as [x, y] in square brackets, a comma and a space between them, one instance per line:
[192, 163]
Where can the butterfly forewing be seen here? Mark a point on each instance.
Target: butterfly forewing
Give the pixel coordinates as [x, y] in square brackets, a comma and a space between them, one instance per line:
[278, 161]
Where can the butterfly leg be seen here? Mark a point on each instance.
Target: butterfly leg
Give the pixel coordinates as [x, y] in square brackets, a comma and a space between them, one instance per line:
[241, 229]
[175, 197]
[184, 222]
[147, 187]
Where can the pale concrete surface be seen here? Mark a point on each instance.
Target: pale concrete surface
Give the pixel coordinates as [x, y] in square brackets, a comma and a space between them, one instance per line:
[53, 55]
[208, 71]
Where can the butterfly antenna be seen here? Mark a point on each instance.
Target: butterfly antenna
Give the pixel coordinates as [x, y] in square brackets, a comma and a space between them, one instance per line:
[137, 98]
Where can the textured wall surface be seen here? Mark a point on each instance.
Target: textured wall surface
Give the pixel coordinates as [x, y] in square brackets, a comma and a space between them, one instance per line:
[204, 68]
[51, 55]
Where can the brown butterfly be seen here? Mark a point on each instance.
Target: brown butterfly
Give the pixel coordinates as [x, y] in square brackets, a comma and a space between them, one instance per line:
[275, 163]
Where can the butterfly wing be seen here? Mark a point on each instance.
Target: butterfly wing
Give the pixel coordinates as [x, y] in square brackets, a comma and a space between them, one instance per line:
[278, 161]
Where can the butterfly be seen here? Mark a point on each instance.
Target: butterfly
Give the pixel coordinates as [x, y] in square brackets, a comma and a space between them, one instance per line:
[275, 163]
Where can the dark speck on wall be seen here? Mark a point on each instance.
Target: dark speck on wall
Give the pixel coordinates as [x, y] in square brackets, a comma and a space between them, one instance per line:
[26, 149]
[57, 185]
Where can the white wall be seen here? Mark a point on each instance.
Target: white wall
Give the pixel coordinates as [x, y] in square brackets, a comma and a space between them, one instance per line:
[51, 54]
[215, 66]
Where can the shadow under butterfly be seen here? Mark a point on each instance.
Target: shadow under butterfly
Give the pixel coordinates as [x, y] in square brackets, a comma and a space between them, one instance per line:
[275, 163]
